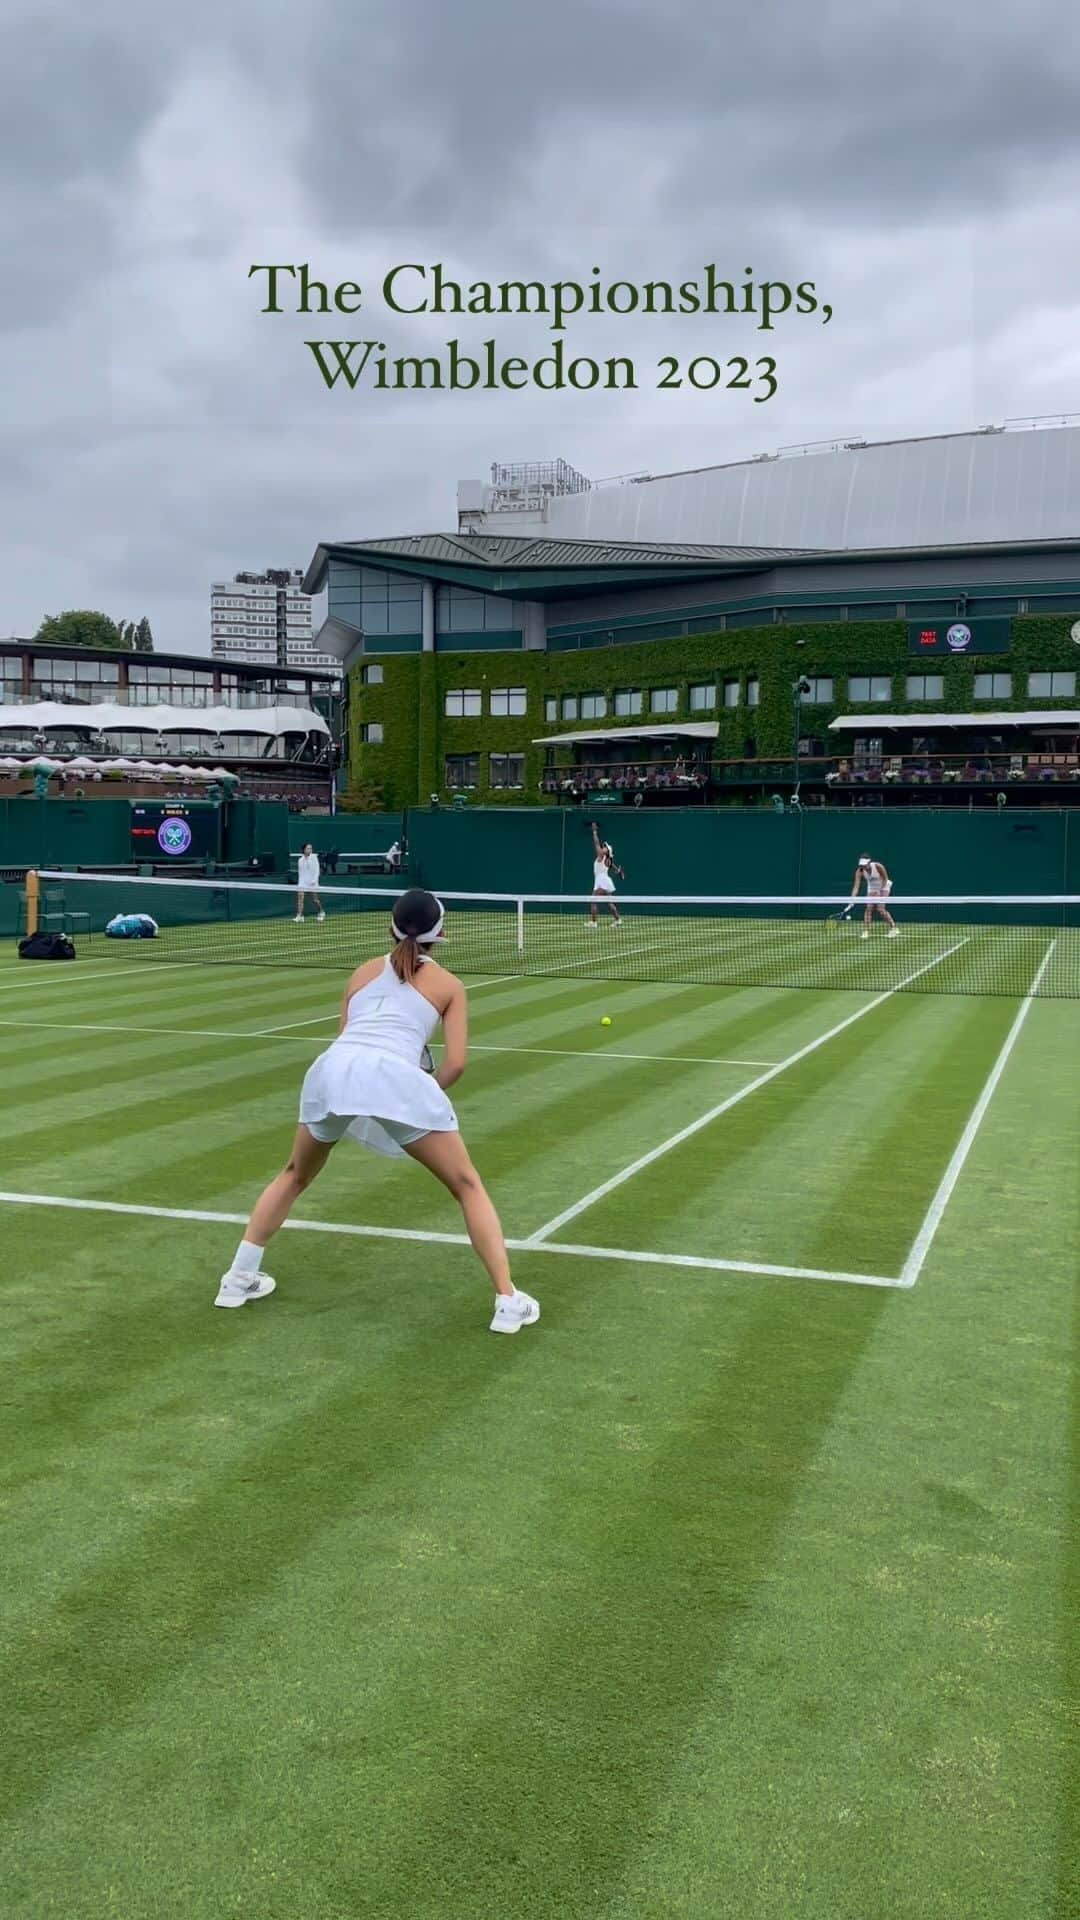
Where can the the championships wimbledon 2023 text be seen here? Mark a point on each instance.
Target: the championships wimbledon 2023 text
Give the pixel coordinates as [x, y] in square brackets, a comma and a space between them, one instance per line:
[416, 290]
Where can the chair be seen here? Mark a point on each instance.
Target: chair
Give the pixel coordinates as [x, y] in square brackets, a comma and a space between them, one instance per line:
[54, 915]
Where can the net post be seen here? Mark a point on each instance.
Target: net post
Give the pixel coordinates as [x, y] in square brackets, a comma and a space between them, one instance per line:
[521, 926]
[33, 901]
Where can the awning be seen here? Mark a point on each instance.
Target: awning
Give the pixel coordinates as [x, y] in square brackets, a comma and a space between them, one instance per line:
[934, 722]
[688, 730]
[41, 716]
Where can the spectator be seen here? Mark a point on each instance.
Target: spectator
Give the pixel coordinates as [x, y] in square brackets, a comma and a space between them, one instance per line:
[393, 857]
[331, 857]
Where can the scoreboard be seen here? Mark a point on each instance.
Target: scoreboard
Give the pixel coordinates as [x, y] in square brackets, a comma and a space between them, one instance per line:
[959, 637]
[180, 830]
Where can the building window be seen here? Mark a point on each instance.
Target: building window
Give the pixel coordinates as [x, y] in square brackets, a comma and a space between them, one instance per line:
[702, 699]
[508, 701]
[664, 700]
[462, 770]
[464, 703]
[373, 676]
[551, 710]
[570, 707]
[375, 601]
[993, 686]
[593, 706]
[924, 686]
[753, 693]
[628, 704]
[507, 769]
[1051, 686]
[819, 695]
[459, 610]
[372, 734]
[874, 688]
[731, 693]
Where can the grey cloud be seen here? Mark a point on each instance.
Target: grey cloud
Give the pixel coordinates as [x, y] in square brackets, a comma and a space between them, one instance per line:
[515, 143]
[856, 107]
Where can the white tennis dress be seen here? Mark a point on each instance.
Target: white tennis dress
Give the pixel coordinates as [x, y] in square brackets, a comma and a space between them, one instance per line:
[875, 881]
[602, 880]
[369, 1083]
[307, 873]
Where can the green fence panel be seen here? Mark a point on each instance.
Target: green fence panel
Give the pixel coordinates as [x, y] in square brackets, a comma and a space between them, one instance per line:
[948, 851]
[348, 832]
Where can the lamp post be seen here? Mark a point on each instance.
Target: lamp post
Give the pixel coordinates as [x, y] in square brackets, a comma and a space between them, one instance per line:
[799, 687]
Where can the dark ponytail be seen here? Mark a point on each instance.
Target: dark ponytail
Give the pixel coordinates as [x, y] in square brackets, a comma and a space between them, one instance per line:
[405, 959]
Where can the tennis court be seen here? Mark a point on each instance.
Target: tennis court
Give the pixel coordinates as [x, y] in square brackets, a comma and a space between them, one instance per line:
[739, 1587]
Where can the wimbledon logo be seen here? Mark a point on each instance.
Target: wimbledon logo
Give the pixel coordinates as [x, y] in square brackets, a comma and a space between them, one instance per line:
[958, 638]
[174, 836]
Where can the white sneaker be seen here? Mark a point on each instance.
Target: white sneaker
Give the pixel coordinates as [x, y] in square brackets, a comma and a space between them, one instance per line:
[320, 916]
[893, 931]
[594, 924]
[237, 1289]
[514, 1310]
[298, 917]
[864, 935]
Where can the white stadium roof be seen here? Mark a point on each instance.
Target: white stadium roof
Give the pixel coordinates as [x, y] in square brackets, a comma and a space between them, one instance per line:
[109, 717]
[1020, 482]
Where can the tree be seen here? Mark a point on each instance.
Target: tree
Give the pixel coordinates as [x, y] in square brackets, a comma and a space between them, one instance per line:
[144, 639]
[80, 627]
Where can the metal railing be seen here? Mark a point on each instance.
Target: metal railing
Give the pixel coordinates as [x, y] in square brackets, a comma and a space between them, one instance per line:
[925, 770]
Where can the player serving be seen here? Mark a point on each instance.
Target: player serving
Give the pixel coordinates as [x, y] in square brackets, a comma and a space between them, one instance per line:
[307, 882]
[377, 1083]
[603, 884]
[872, 874]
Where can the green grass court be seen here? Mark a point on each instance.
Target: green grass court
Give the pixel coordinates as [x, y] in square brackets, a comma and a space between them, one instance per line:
[740, 1587]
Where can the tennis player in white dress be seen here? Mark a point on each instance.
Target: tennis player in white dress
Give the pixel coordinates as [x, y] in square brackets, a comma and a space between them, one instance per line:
[603, 884]
[872, 874]
[307, 882]
[377, 1083]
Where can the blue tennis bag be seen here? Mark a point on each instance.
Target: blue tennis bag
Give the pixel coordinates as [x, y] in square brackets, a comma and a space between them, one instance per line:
[132, 926]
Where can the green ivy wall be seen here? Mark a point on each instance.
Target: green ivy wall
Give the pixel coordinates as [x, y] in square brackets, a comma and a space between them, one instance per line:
[417, 736]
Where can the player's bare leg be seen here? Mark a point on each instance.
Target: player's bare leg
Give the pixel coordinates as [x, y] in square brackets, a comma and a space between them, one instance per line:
[245, 1280]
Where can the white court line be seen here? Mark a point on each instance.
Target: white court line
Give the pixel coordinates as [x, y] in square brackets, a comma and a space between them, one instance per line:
[451, 1239]
[97, 1026]
[725, 1106]
[317, 1019]
[913, 1265]
[563, 966]
[61, 973]
[269, 1033]
[603, 1053]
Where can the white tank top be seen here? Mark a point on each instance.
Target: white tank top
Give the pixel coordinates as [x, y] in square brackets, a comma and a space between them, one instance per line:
[601, 870]
[390, 1017]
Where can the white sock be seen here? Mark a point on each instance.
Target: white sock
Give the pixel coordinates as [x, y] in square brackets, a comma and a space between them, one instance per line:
[246, 1259]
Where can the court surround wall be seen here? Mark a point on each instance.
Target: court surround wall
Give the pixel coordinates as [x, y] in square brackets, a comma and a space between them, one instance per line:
[709, 851]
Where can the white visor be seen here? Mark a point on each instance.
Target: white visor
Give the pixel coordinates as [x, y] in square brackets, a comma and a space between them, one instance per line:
[422, 939]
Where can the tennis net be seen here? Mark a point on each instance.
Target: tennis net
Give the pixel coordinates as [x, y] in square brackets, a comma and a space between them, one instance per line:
[1007, 944]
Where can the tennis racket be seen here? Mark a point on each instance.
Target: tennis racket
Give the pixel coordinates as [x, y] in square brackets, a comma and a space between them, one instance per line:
[427, 1060]
[836, 919]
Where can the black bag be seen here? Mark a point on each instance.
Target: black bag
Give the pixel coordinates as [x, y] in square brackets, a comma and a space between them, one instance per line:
[46, 946]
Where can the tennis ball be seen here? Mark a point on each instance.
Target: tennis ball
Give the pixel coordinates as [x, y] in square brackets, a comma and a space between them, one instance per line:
[606, 1020]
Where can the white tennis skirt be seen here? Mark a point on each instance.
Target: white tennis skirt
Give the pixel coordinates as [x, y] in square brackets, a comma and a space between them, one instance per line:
[603, 886]
[380, 1101]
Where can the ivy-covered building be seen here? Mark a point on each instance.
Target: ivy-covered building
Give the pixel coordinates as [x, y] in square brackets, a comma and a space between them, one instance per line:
[518, 669]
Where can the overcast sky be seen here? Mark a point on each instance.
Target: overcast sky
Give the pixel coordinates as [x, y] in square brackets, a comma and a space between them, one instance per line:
[920, 165]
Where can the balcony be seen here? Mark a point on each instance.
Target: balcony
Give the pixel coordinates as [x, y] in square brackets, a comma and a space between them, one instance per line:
[938, 780]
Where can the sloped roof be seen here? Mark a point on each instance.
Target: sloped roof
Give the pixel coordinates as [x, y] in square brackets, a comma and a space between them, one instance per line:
[504, 550]
[459, 556]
